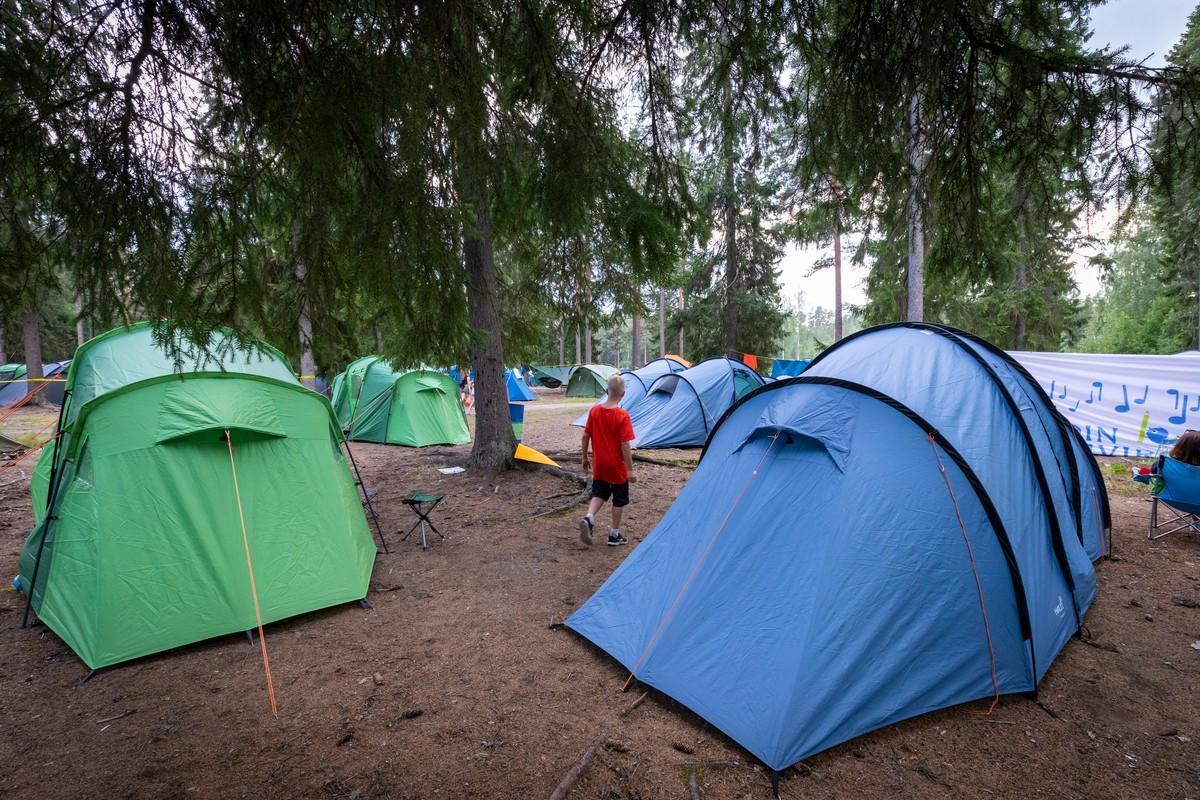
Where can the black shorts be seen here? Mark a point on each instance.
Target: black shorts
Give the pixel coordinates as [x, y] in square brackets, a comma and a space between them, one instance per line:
[619, 492]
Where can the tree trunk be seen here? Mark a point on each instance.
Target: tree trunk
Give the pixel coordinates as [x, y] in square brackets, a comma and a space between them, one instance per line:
[729, 195]
[3, 345]
[681, 307]
[1021, 284]
[562, 342]
[662, 323]
[916, 232]
[494, 439]
[585, 291]
[578, 345]
[837, 279]
[33, 353]
[79, 337]
[636, 356]
[308, 364]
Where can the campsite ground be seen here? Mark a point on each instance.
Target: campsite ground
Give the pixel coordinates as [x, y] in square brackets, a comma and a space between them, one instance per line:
[454, 684]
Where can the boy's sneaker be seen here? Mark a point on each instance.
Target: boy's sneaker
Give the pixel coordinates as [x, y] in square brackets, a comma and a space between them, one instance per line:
[585, 531]
[616, 540]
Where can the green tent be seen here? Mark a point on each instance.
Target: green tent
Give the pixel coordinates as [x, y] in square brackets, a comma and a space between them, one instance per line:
[552, 377]
[589, 380]
[141, 548]
[416, 408]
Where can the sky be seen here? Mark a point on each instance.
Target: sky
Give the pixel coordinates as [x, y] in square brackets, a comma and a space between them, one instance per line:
[1149, 27]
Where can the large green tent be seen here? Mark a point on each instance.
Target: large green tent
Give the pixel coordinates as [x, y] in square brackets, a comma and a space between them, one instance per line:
[138, 545]
[590, 380]
[416, 408]
[552, 377]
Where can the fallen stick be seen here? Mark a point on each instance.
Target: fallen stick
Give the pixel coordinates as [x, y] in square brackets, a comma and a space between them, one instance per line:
[576, 771]
[122, 715]
[693, 786]
[666, 462]
[703, 764]
[582, 497]
[634, 705]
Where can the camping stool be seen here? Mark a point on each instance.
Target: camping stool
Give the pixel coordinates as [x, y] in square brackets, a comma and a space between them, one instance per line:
[423, 505]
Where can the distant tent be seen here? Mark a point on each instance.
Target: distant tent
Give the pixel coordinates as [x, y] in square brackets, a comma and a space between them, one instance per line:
[680, 360]
[785, 367]
[589, 380]
[7, 445]
[681, 408]
[835, 565]
[141, 550]
[10, 371]
[15, 390]
[415, 408]
[518, 392]
[552, 377]
[637, 383]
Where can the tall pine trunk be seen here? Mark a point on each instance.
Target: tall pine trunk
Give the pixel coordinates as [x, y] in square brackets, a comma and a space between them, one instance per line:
[662, 323]
[729, 197]
[32, 339]
[494, 439]
[837, 278]
[562, 342]
[1021, 280]
[79, 335]
[681, 307]
[308, 363]
[3, 345]
[636, 356]
[916, 230]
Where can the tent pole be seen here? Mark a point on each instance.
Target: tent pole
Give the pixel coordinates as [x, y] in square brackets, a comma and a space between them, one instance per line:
[51, 497]
[775, 784]
[366, 498]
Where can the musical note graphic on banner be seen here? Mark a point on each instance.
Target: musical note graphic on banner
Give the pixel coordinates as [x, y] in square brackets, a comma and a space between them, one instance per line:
[1099, 393]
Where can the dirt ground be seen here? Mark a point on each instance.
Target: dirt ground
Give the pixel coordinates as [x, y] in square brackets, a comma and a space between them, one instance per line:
[454, 683]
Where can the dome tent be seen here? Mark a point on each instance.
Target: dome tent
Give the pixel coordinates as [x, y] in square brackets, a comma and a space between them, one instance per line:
[637, 382]
[14, 390]
[834, 565]
[552, 377]
[589, 380]
[681, 408]
[518, 392]
[137, 547]
[960, 382]
[415, 408]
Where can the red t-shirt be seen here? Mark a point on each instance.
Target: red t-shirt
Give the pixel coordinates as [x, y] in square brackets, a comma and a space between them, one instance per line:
[609, 429]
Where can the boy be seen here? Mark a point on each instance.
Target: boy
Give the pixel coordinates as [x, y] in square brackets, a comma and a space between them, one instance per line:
[609, 430]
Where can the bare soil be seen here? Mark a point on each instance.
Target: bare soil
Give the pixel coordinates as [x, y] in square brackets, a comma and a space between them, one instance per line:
[456, 683]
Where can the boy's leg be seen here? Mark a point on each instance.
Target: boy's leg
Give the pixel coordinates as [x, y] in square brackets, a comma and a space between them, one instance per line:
[620, 499]
[601, 491]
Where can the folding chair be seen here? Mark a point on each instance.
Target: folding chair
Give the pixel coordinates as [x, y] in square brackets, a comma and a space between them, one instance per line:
[423, 505]
[1181, 495]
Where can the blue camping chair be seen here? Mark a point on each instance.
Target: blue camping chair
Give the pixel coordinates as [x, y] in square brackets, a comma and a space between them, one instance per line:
[1181, 495]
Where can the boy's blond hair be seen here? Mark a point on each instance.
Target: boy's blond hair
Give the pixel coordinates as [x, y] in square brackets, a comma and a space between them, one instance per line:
[616, 385]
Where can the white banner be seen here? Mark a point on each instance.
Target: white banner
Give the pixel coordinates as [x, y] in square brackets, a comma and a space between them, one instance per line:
[1122, 405]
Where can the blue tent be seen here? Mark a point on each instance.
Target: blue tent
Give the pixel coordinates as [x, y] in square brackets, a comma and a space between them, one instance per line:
[518, 392]
[14, 392]
[838, 562]
[637, 383]
[961, 383]
[681, 408]
[786, 367]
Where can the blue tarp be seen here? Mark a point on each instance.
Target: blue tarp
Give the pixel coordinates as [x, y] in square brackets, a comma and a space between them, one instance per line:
[637, 382]
[518, 392]
[681, 408]
[786, 367]
[820, 576]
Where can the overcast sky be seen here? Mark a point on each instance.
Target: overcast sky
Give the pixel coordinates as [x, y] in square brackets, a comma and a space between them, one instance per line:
[1149, 27]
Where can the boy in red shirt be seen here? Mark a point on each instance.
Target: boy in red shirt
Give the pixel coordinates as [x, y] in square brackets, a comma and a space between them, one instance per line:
[609, 430]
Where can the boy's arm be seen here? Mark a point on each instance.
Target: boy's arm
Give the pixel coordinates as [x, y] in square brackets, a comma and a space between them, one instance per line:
[587, 463]
[627, 454]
